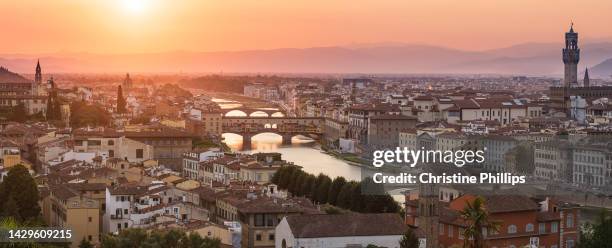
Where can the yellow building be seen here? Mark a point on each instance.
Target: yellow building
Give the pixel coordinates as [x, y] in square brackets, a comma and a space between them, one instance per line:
[173, 123]
[11, 159]
[69, 208]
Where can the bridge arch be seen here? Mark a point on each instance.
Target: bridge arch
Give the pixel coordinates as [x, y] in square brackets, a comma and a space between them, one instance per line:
[277, 114]
[236, 113]
[259, 113]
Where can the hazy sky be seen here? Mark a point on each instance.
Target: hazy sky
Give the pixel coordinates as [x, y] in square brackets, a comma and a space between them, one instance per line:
[120, 26]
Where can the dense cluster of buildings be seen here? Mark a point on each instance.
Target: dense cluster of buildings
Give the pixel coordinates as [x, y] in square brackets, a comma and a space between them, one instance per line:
[162, 164]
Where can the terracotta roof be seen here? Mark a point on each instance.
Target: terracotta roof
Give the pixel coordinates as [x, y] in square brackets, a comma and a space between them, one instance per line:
[393, 117]
[548, 216]
[504, 203]
[128, 190]
[344, 225]
[264, 204]
[88, 186]
[61, 191]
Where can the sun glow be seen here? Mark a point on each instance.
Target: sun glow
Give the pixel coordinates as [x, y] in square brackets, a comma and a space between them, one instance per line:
[134, 6]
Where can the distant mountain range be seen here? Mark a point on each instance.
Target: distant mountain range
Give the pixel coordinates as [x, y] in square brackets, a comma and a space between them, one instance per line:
[523, 59]
[603, 69]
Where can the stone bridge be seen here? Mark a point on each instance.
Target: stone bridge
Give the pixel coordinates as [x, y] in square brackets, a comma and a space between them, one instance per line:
[287, 127]
[248, 111]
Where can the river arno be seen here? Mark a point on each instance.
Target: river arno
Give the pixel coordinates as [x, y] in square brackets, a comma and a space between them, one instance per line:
[303, 151]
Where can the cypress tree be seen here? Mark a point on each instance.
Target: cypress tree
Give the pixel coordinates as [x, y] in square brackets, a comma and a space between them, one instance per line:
[120, 101]
[334, 190]
[323, 189]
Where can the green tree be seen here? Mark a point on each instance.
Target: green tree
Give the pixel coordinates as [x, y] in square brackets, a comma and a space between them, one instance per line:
[357, 203]
[10, 208]
[121, 104]
[344, 197]
[599, 234]
[286, 175]
[409, 240]
[85, 244]
[324, 183]
[299, 181]
[19, 185]
[334, 190]
[83, 115]
[172, 238]
[19, 113]
[307, 185]
[294, 181]
[477, 217]
[51, 107]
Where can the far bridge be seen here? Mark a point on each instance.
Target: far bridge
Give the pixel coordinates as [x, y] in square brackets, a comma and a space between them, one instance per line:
[287, 127]
[249, 111]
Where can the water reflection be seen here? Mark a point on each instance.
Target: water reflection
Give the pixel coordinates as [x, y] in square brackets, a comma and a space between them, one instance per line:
[302, 151]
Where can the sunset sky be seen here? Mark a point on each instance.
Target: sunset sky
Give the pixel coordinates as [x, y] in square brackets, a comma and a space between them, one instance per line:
[129, 26]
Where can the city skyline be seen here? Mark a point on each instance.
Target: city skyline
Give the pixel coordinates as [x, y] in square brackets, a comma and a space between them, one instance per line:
[154, 26]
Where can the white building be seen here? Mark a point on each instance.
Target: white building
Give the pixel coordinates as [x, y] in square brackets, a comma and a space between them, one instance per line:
[340, 230]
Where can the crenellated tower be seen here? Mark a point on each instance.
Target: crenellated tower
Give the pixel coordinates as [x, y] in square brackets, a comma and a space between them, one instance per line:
[571, 56]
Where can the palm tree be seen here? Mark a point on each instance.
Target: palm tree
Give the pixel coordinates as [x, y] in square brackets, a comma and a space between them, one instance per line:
[477, 217]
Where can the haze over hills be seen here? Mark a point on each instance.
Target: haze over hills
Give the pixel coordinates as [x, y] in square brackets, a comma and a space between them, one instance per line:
[603, 69]
[524, 59]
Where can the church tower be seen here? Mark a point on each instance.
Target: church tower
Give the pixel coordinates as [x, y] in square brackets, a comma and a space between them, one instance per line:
[38, 76]
[571, 56]
[429, 214]
[37, 84]
[587, 80]
[127, 82]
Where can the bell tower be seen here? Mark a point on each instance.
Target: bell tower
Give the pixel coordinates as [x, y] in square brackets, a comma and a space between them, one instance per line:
[38, 75]
[429, 214]
[571, 56]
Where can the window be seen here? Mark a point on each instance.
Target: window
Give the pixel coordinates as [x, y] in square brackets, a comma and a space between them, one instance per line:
[125, 211]
[450, 231]
[89, 219]
[271, 236]
[259, 220]
[118, 226]
[125, 225]
[269, 220]
[570, 220]
[258, 237]
[529, 227]
[441, 227]
[139, 153]
[570, 244]
[111, 153]
[511, 229]
[111, 142]
[554, 227]
[542, 227]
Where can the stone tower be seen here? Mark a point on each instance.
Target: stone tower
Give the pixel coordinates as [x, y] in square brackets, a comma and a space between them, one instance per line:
[571, 56]
[587, 80]
[38, 75]
[429, 214]
[127, 82]
[37, 85]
